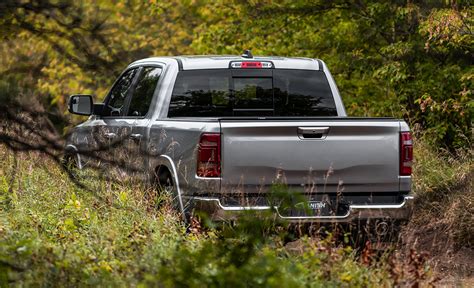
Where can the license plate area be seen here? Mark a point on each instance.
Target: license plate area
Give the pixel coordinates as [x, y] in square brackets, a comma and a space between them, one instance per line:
[314, 209]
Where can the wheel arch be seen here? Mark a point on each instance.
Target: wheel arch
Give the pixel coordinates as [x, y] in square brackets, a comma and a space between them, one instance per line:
[71, 151]
[165, 162]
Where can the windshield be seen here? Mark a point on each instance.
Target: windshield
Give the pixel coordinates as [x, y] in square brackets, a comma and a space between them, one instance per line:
[279, 92]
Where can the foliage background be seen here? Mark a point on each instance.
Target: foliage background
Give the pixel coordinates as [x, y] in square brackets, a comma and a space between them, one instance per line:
[410, 59]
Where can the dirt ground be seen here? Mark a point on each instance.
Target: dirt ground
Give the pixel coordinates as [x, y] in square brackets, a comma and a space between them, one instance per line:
[451, 260]
[453, 266]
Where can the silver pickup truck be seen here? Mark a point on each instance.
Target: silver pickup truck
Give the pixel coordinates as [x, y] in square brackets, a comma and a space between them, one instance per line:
[223, 133]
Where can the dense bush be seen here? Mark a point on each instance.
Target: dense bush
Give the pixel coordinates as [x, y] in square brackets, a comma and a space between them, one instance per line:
[54, 233]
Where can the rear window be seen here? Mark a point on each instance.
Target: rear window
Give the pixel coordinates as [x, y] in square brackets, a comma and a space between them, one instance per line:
[201, 93]
[219, 93]
[253, 96]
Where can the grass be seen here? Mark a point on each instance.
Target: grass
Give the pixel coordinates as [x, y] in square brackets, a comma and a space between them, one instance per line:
[438, 172]
[444, 192]
[53, 233]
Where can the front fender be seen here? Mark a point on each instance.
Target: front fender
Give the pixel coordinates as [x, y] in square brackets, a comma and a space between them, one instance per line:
[71, 150]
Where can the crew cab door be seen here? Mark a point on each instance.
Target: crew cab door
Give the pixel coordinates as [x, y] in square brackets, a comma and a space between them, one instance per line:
[121, 130]
[138, 115]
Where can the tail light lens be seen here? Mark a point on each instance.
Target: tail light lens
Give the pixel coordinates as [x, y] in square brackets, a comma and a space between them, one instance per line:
[406, 153]
[209, 155]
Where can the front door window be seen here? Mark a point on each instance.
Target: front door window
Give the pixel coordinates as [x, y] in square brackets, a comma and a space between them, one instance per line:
[118, 94]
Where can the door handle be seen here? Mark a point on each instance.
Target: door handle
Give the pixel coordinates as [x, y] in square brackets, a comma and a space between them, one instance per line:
[312, 132]
[135, 137]
[110, 135]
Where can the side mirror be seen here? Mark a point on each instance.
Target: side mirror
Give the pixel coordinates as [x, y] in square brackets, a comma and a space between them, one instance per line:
[81, 104]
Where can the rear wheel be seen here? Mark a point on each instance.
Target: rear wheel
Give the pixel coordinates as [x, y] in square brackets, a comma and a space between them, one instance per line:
[167, 193]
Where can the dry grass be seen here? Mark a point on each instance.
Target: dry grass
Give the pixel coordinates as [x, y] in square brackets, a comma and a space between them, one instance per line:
[443, 186]
[443, 220]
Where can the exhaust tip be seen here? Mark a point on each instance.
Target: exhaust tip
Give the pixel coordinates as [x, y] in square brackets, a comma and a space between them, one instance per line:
[382, 228]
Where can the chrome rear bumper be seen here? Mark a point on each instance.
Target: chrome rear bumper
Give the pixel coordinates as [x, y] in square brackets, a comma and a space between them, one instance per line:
[218, 212]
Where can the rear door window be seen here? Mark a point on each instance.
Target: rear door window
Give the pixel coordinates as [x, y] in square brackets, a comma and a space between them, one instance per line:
[143, 92]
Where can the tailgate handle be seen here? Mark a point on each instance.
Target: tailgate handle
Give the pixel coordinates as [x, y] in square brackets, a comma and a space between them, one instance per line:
[110, 135]
[135, 137]
[312, 132]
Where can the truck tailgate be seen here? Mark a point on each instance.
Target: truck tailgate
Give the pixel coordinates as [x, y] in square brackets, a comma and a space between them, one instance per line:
[349, 155]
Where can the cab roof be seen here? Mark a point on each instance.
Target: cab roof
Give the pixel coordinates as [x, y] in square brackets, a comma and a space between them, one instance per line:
[196, 62]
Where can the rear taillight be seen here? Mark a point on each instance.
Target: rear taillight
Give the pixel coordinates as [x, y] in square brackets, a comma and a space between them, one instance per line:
[209, 155]
[406, 153]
